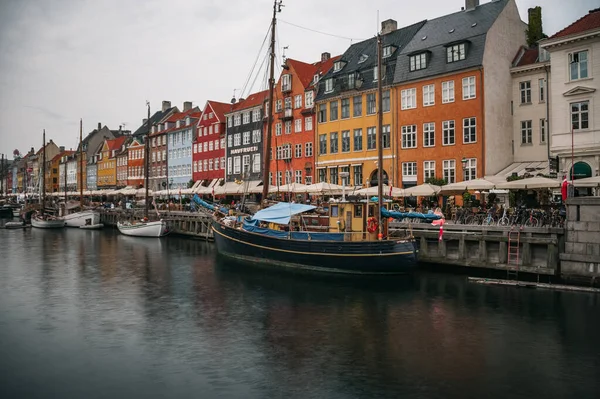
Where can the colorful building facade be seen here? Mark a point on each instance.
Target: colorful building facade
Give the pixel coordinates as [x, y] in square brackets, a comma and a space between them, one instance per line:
[209, 143]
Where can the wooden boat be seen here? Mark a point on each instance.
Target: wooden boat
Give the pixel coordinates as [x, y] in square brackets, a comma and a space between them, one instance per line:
[96, 226]
[350, 238]
[82, 218]
[144, 229]
[14, 225]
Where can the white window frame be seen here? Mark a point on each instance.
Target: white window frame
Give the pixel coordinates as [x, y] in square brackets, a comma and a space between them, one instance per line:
[409, 136]
[429, 134]
[470, 170]
[469, 90]
[448, 92]
[448, 127]
[298, 125]
[526, 132]
[308, 150]
[428, 170]
[579, 114]
[298, 101]
[328, 85]
[409, 98]
[309, 99]
[575, 63]
[543, 132]
[308, 125]
[449, 170]
[409, 171]
[472, 124]
[456, 52]
[428, 95]
[417, 62]
[525, 92]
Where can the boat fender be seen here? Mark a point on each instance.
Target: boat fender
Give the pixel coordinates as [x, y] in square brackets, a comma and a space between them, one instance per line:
[372, 225]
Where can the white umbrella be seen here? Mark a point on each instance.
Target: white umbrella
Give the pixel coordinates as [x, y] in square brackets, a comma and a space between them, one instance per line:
[396, 192]
[530, 183]
[326, 188]
[423, 190]
[289, 188]
[587, 182]
[469, 185]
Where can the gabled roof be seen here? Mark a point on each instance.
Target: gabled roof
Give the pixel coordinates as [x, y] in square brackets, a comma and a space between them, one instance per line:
[157, 117]
[62, 154]
[115, 144]
[253, 100]
[361, 58]
[322, 67]
[219, 109]
[526, 56]
[463, 26]
[587, 22]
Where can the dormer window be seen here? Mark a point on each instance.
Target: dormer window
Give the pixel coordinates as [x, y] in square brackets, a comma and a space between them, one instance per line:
[178, 124]
[456, 52]
[388, 50]
[188, 120]
[351, 80]
[286, 83]
[328, 85]
[418, 62]
[362, 58]
[338, 65]
[375, 74]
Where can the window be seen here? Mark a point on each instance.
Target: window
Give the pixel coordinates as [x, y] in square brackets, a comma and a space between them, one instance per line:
[322, 175]
[278, 106]
[345, 108]
[308, 152]
[358, 143]
[357, 106]
[333, 110]
[385, 101]
[279, 179]
[579, 115]
[337, 66]
[371, 104]
[429, 134]
[322, 144]
[578, 63]
[255, 163]
[358, 175]
[210, 146]
[526, 132]
[346, 141]
[278, 129]
[351, 80]
[418, 61]
[333, 143]
[542, 130]
[246, 119]
[288, 127]
[328, 85]
[409, 171]
[246, 163]
[428, 169]
[237, 165]
[210, 164]
[237, 139]
[298, 101]
[375, 74]
[205, 145]
[298, 176]
[449, 171]
[286, 83]
[223, 143]
[385, 136]
[322, 113]
[308, 99]
[470, 169]
[409, 136]
[298, 125]
[525, 90]
[408, 99]
[542, 85]
[246, 138]
[288, 103]
[237, 119]
[455, 53]
[308, 180]
[468, 88]
[346, 178]
[288, 176]
[428, 95]
[308, 123]
[387, 51]
[469, 130]
[256, 136]
[298, 150]
[333, 175]
[222, 163]
[229, 143]
[371, 138]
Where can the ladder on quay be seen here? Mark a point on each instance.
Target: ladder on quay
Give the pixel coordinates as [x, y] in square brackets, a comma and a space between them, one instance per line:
[512, 261]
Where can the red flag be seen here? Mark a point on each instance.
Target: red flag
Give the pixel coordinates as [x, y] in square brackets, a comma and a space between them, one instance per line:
[441, 230]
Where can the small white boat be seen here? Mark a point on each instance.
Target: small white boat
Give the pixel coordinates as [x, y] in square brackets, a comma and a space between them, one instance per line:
[16, 211]
[92, 226]
[144, 229]
[47, 222]
[14, 225]
[78, 219]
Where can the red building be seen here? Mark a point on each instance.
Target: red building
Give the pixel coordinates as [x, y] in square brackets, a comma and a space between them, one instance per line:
[293, 139]
[209, 144]
[135, 163]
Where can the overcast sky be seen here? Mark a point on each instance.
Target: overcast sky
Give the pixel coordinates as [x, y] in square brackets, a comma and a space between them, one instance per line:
[61, 60]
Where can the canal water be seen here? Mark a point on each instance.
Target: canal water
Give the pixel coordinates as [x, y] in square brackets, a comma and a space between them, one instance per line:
[94, 314]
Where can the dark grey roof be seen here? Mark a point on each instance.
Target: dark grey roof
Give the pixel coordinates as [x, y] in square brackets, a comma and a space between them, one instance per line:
[398, 38]
[157, 117]
[470, 26]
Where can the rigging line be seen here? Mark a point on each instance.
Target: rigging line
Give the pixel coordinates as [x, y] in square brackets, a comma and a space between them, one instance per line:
[256, 60]
[318, 31]
[257, 75]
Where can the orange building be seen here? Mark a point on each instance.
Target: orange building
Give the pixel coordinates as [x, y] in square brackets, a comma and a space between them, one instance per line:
[107, 165]
[292, 139]
[135, 162]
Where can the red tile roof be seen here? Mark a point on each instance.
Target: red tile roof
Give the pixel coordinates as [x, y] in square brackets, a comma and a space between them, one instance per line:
[527, 56]
[306, 72]
[115, 144]
[62, 154]
[585, 23]
[220, 109]
[253, 100]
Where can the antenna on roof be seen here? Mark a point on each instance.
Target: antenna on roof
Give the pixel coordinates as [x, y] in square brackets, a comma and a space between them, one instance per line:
[233, 98]
[283, 55]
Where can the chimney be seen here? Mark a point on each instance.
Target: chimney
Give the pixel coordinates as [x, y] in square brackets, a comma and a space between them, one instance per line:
[471, 4]
[325, 56]
[61, 148]
[99, 126]
[187, 105]
[387, 26]
[166, 105]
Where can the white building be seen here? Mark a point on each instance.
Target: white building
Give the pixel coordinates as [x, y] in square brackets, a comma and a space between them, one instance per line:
[574, 95]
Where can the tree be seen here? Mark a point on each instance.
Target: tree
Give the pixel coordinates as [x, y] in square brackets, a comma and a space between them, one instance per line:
[435, 181]
[535, 31]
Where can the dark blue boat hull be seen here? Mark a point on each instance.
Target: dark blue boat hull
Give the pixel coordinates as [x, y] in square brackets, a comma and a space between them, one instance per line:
[364, 257]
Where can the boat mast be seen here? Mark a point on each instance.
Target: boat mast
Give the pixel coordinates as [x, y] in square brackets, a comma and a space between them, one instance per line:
[81, 164]
[379, 139]
[146, 157]
[44, 173]
[65, 169]
[266, 158]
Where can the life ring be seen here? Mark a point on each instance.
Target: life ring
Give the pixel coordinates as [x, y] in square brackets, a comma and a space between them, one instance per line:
[372, 225]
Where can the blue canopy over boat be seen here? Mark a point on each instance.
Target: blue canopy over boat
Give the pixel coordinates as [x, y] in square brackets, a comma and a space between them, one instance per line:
[411, 215]
[205, 204]
[281, 212]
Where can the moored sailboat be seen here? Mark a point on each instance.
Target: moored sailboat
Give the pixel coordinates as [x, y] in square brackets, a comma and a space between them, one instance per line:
[351, 238]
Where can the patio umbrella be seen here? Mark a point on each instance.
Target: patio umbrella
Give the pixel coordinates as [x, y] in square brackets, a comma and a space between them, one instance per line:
[326, 188]
[470, 185]
[423, 190]
[529, 184]
[396, 192]
[289, 188]
[587, 182]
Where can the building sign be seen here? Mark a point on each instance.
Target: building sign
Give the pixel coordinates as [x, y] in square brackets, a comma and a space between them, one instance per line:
[242, 150]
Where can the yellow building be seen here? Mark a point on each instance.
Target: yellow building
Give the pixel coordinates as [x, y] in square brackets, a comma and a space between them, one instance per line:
[107, 165]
